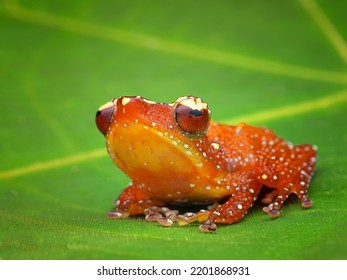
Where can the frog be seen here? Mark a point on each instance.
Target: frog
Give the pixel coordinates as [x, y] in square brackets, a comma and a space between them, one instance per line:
[176, 156]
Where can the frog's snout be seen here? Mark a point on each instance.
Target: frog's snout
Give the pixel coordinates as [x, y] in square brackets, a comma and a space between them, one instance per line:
[104, 115]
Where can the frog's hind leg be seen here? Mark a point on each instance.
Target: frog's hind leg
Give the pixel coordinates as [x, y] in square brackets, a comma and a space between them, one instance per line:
[246, 189]
[289, 173]
[132, 202]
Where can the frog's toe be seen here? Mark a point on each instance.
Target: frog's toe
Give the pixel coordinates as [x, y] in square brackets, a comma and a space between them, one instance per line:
[208, 226]
[271, 211]
[275, 200]
[153, 217]
[306, 202]
[274, 208]
[117, 214]
[162, 215]
[164, 221]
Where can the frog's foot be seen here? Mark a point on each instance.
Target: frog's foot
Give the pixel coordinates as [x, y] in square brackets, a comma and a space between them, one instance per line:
[301, 192]
[167, 217]
[235, 207]
[162, 215]
[130, 208]
[132, 202]
[290, 173]
[276, 198]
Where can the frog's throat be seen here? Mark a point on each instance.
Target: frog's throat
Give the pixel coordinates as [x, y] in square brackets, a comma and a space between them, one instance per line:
[138, 142]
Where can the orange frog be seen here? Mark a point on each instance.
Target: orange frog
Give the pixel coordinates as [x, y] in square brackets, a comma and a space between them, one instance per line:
[175, 155]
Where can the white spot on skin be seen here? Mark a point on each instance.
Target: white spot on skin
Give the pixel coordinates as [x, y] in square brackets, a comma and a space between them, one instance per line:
[125, 101]
[186, 146]
[192, 185]
[199, 165]
[154, 124]
[208, 188]
[302, 183]
[215, 145]
[146, 127]
[216, 213]
[239, 206]
[264, 176]
[189, 153]
[304, 173]
[274, 177]
[149, 101]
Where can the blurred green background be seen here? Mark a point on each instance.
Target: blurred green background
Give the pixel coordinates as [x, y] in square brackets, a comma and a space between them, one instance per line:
[276, 63]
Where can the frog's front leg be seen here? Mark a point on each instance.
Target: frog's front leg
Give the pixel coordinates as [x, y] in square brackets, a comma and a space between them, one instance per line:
[245, 189]
[131, 202]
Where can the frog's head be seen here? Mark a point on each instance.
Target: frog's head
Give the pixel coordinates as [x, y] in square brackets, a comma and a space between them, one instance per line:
[154, 140]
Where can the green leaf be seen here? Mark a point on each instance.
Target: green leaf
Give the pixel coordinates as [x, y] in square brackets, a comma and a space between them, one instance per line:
[276, 63]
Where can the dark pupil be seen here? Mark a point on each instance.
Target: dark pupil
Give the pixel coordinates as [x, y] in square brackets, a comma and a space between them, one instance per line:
[195, 113]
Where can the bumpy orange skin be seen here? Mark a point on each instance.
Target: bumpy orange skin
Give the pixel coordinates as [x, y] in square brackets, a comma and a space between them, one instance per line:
[205, 163]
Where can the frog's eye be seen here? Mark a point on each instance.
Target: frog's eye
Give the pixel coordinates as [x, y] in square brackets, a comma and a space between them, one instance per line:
[104, 115]
[192, 115]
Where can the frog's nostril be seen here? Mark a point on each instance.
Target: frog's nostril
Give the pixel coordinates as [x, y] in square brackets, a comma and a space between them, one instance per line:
[104, 115]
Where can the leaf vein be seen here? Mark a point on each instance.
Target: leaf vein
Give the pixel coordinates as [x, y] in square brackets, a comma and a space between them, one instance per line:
[154, 43]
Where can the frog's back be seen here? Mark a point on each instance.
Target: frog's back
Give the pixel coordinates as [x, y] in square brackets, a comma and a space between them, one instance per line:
[241, 143]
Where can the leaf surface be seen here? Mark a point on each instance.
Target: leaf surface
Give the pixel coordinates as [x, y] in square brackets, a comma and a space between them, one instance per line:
[270, 63]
